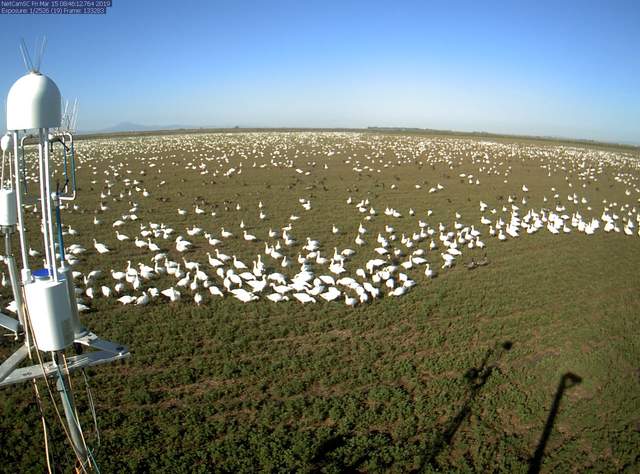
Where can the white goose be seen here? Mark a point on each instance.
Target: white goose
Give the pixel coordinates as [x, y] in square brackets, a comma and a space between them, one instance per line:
[101, 248]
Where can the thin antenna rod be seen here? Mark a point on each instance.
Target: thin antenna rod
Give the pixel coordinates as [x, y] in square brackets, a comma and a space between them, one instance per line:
[43, 45]
[64, 124]
[74, 115]
[25, 55]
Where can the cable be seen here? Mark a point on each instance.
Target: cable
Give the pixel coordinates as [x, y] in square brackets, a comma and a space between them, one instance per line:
[92, 462]
[44, 373]
[44, 425]
[37, 391]
[92, 407]
[75, 408]
[35, 385]
[46, 442]
[95, 464]
[74, 419]
[55, 406]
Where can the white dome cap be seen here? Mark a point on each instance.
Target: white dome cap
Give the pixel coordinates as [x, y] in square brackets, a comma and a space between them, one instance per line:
[33, 102]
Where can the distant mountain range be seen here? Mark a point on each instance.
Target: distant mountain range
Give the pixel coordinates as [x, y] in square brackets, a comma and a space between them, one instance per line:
[136, 127]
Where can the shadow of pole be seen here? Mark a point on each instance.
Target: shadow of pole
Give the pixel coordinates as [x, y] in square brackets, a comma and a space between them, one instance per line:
[567, 381]
[476, 378]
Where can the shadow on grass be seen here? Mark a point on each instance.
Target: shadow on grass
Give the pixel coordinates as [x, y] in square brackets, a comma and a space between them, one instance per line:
[476, 378]
[567, 381]
[350, 452]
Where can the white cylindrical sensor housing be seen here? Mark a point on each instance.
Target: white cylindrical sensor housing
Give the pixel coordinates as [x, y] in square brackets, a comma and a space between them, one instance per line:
[50, 313]
[33, 102]
[8, 207]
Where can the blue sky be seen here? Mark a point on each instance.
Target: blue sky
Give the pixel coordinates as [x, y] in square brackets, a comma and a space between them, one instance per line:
[558, 68]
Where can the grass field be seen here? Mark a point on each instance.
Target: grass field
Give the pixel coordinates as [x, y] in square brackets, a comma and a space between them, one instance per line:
[528, 363]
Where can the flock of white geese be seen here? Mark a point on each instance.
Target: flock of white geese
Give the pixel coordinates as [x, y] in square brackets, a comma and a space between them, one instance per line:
[167, 261]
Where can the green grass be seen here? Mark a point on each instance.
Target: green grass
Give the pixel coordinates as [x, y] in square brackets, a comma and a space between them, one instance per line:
[417, 383]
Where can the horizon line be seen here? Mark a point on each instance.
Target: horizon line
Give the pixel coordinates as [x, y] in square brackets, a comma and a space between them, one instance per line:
[155, 129]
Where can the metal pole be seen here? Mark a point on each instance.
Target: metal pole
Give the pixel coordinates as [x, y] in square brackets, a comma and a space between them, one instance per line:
[75, 431]
[43, 202]
[67, 274]
[47, 189]
[23, 176]
[73, 166]
[15, 285]
[26, 273]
